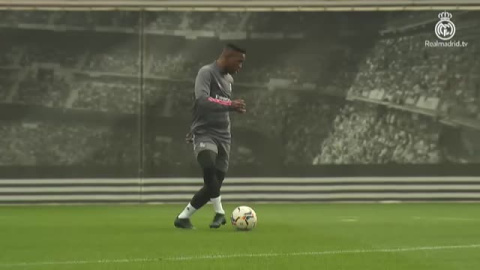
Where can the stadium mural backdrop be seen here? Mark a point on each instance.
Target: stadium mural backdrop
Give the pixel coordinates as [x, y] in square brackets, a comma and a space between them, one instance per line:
[109, 94]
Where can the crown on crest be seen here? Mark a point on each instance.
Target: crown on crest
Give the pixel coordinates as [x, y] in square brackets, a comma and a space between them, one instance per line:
[445, 16]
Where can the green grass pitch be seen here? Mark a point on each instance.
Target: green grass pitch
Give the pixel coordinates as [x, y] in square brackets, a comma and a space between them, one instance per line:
[288, 236]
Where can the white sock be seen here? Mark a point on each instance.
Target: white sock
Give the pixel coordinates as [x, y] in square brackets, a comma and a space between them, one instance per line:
[217, 205]
[187, 212]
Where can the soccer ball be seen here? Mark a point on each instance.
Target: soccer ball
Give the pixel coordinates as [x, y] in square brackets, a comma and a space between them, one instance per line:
[244, 218]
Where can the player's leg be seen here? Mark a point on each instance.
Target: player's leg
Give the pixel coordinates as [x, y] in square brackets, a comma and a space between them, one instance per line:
[220, 177]
[206, 153]
[222, 162]
[220, 171]
[211, 186]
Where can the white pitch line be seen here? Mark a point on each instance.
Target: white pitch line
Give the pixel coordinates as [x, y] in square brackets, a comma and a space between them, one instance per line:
[349, 220]
[319, 253]
[245, 255]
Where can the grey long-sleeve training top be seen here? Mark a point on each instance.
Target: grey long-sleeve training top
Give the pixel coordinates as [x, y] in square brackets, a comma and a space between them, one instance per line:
[213, 91]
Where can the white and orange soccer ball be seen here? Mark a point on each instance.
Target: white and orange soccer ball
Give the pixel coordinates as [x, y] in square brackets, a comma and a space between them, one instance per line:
[244, 218]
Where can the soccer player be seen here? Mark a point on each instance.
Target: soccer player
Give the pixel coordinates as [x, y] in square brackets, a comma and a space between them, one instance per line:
[210, 131]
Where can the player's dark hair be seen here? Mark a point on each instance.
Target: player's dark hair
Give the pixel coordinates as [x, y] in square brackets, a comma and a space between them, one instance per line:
[235, 48]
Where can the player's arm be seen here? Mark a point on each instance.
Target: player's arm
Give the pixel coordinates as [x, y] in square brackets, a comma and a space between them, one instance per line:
[208, 103]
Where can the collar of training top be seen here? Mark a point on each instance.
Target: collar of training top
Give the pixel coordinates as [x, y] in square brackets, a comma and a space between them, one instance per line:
[222, 71]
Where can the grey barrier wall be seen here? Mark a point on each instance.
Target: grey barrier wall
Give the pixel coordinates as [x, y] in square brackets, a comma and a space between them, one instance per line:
[106, 98]
[173, 190]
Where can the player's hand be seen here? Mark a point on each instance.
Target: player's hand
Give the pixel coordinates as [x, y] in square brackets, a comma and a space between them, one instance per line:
[239, 106]
[189, 138]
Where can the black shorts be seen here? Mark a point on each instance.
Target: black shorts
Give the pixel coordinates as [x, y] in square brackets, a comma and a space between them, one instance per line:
[206, 142]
